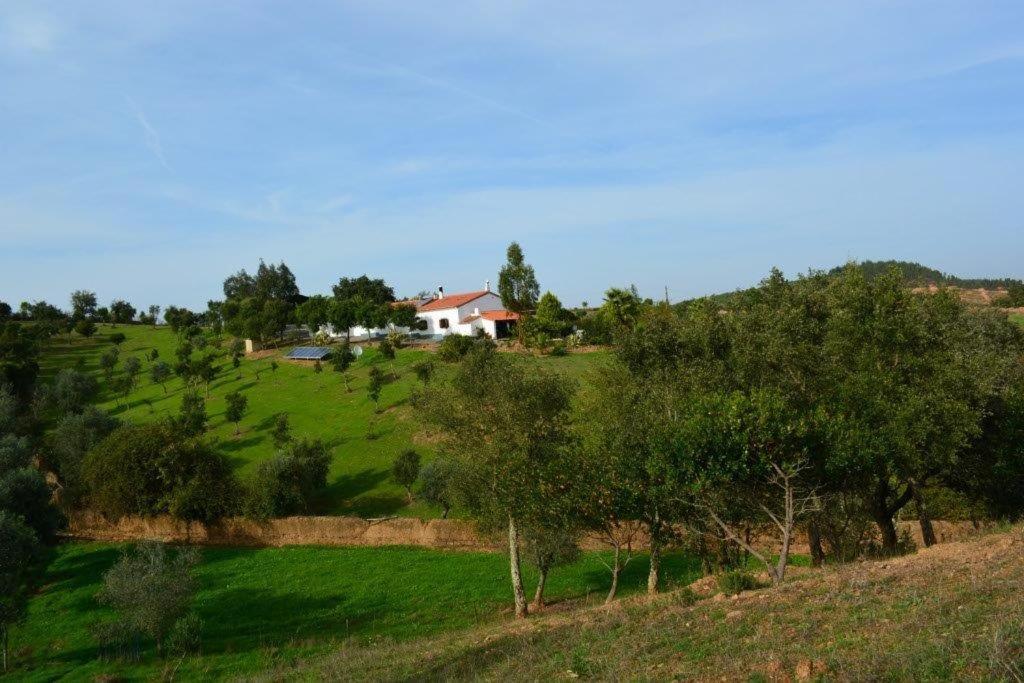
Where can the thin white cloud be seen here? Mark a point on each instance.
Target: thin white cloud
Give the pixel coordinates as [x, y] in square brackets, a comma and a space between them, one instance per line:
[29, 33]
[152, 137]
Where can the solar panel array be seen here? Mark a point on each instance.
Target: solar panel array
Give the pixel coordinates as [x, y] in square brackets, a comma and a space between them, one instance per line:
[309, 353]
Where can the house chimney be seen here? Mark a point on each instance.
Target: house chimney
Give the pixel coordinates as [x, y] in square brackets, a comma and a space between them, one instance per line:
[487, 285]
[440, 292]
[476, 310]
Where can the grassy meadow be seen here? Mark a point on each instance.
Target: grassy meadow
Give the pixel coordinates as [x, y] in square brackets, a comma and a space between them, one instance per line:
[364, 443]
[272, 607]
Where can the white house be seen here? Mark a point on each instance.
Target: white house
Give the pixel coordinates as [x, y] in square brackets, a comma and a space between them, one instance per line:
[444, 314]
[466, 314]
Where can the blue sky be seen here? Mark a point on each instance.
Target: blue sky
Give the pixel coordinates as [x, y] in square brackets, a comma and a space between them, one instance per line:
[150, 149]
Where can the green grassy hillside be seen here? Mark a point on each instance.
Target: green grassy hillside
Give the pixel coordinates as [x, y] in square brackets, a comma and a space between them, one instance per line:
[317, 405]
[271, 607]
[954, 612]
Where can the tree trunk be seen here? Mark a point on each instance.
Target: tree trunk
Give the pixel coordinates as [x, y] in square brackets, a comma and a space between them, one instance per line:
[4, 627]
[538, 596]
[814, 541]
[888, 529]
[927, 531]
[616, 570]
[654, 574]
[517, 576]
[444, 512]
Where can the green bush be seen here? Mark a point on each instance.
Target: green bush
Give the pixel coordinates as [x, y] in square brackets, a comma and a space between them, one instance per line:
[737, 581]
[186, 635]
[287, 483]
[453, 347]
[150, 470]
[559, 349]
[685, 596]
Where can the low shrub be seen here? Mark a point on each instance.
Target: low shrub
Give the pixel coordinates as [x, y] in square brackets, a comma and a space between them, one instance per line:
[186, 635]
[684, 597]
[453, 347]
[287, 483]
[737, 581]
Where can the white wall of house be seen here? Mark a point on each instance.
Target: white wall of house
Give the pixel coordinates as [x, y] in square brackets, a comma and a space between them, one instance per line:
[487, 302]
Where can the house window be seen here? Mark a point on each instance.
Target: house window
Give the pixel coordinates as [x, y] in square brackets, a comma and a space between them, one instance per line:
[443, 323]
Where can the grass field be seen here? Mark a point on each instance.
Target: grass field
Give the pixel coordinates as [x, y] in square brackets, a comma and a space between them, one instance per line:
[1017, 318]
[359, 482]
[267, 608]
[952, 613]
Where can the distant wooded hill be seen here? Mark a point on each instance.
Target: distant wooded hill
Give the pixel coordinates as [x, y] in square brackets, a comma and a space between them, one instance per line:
[915, 274]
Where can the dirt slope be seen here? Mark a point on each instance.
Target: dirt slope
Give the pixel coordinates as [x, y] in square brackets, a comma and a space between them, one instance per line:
[955, 611]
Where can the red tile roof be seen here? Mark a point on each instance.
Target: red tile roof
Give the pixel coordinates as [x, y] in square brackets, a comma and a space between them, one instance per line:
[451, 301]
[468, 319]
[499, 315]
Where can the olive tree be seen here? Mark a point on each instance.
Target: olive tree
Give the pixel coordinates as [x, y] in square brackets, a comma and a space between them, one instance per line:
[19, 553]
[151, 590]
[505, 424]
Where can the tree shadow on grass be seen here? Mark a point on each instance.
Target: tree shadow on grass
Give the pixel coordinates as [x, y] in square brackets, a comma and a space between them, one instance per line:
[232, 445]
[345, 495]
[243, 619]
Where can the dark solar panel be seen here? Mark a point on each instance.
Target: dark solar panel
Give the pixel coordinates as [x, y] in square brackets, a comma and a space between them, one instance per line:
[309, 353]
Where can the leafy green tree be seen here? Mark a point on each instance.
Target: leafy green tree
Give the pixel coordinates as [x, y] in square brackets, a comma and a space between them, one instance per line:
[551, 318]
[341, 361]
[281, 434]
[5, 311]
[159, 373]
[373, 388]
[623, 306]
[19, 360]
[117, 338]
[549, 546]
[505, 423]
[206, 371]
[19, 556]
[404, 316]
[121, 312]
[436, 485]
[343, 315]
[406, 470]
[365, 289]
[66, 445]
[517, 284]
[288, 483]
[151, 469]
[71, 391]
[132, 368]
[179, 318]
[191, 418]
[154, 313]
[85, 328]
[83, 304]
[108, 362]
[260, 307]
[315, 312]
[151, 590]
[387, 350]
[24, 493]
[424, 371]
[637, 412]
[237, 404]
